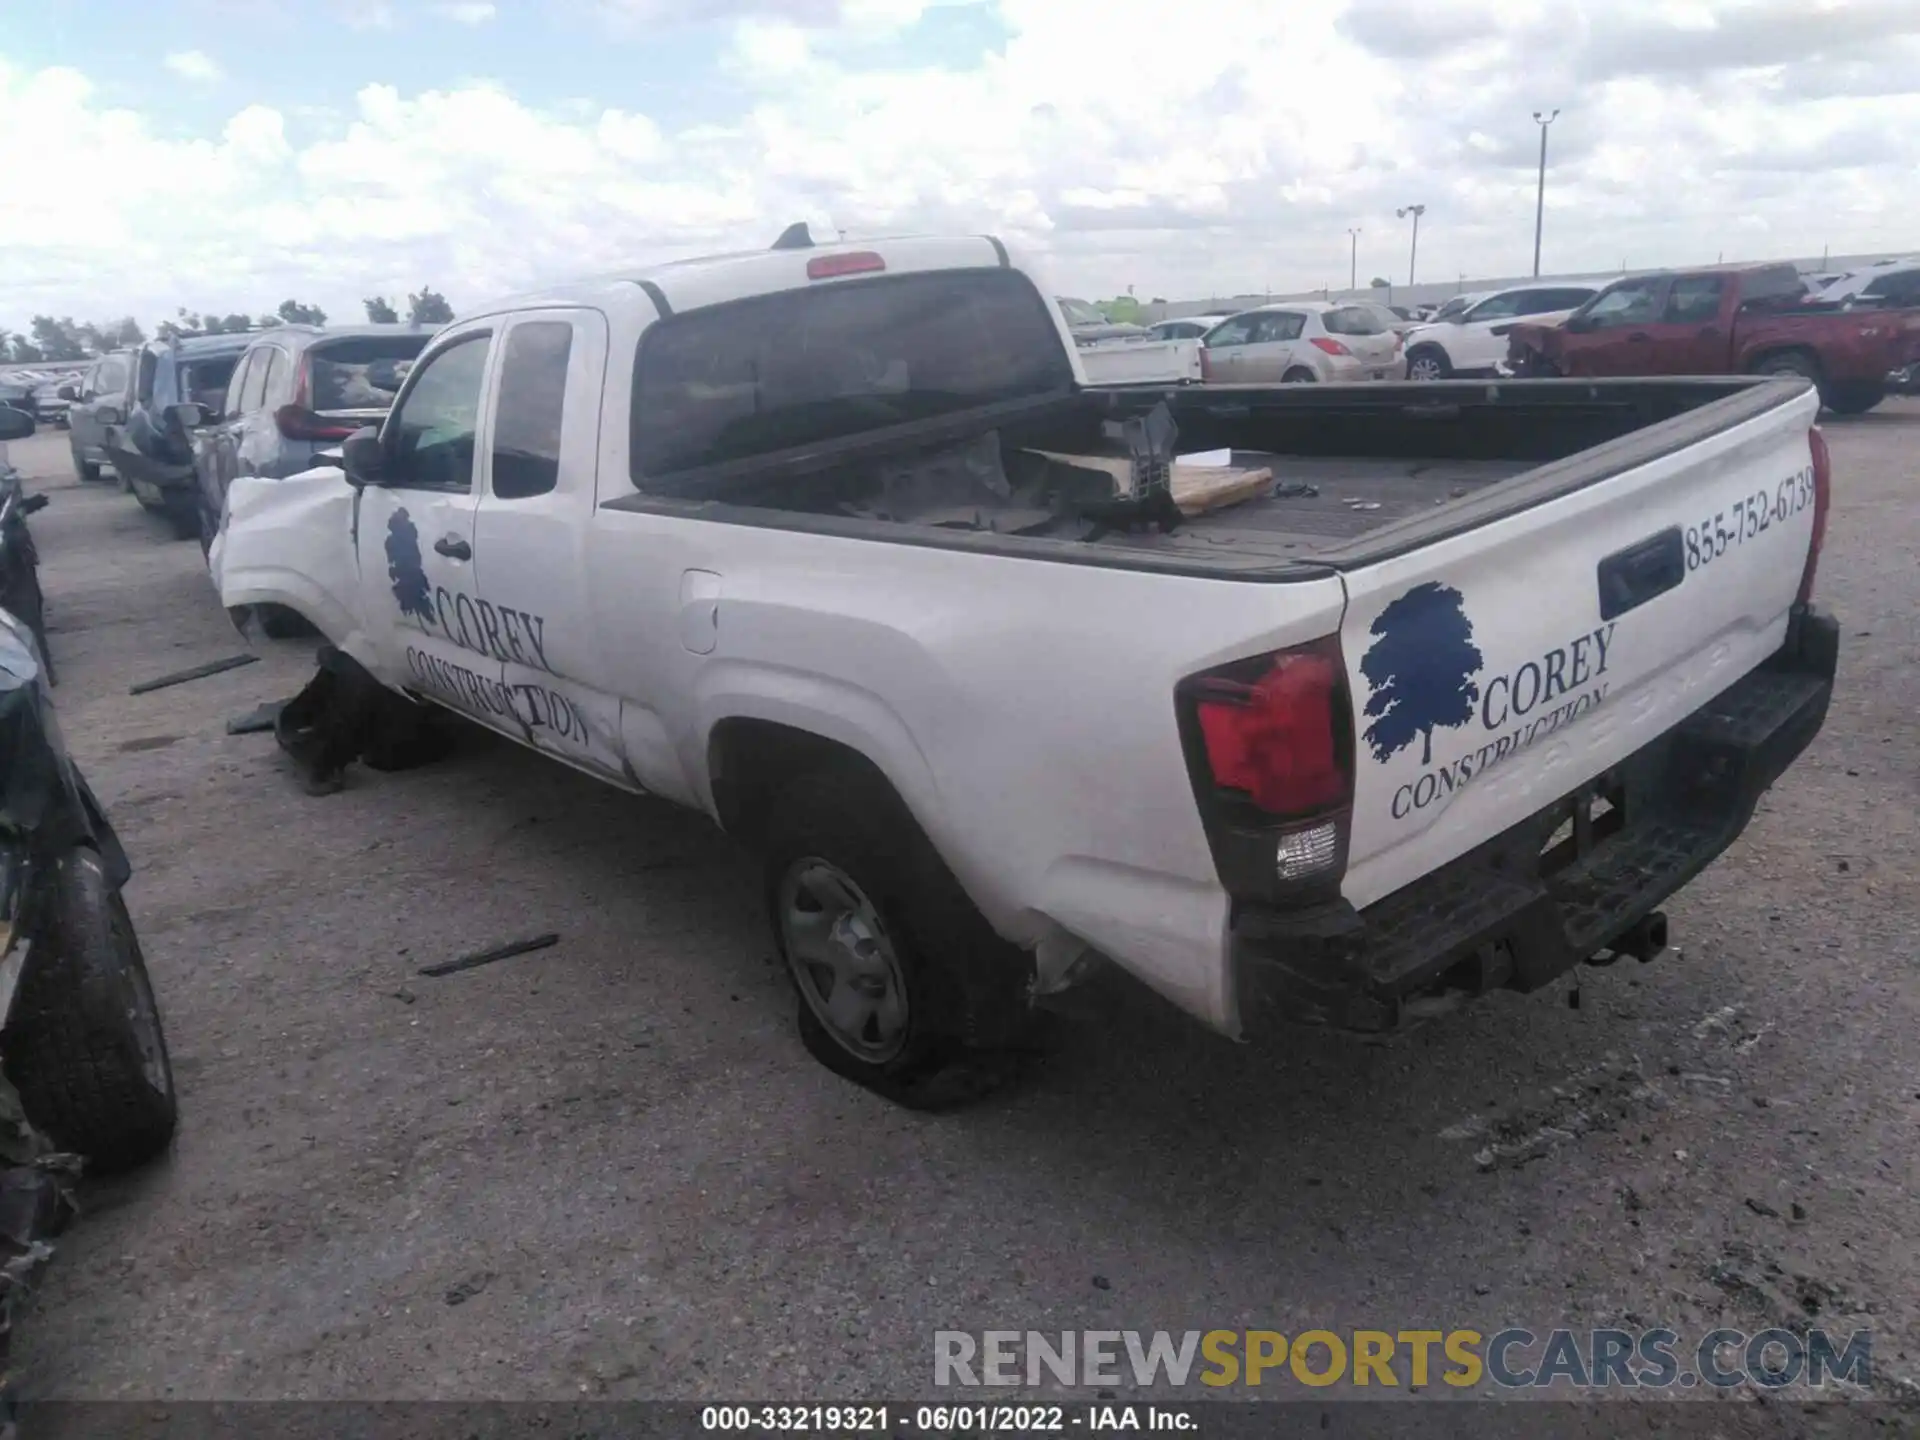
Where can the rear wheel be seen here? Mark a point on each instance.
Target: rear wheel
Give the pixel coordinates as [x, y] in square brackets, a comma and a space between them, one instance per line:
[85, 469]
[85, 1049]
[1426, 362]
[1854, 398]
[903, 987]
[277, 622]
[1789, 362]
[1299, 375]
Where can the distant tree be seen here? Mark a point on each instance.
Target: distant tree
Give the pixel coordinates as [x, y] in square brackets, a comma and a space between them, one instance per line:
[429, 307]
[1420, 670]
[1380, 282]
[380, 311]
[24, 349]
[119, 334]
[58, 339]
[294, 313]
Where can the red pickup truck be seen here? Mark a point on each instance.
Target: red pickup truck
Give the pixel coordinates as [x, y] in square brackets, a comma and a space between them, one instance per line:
[1754, 321]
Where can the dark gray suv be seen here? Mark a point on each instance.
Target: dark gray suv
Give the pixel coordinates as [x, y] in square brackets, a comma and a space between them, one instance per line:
[298, 390]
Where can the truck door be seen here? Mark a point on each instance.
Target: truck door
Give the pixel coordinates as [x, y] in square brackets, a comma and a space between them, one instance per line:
[537, 500]
[1615, 334]
[419, 576]
[1691, 335]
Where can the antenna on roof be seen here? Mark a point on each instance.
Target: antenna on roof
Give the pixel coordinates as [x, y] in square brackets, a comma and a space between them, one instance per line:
[795, 237]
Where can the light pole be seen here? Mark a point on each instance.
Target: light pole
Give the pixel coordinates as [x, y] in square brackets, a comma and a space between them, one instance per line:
[1416, 211]
[1353, 261]
[1540, 197]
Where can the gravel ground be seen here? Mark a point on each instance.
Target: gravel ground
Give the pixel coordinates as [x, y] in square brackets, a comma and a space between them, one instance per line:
[608, 1168]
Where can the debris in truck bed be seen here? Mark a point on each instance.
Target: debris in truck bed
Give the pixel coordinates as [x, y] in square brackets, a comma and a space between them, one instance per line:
[198, 672]
[344, 714]
[487, 957]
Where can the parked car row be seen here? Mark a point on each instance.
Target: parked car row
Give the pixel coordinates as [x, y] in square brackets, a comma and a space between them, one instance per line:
[176, 420]
[36, 393]
[1758, 320]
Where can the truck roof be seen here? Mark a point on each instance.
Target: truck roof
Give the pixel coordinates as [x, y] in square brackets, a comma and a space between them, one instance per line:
[716, 279]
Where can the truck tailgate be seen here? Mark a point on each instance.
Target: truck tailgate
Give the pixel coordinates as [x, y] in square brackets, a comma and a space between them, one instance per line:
[1496, 670]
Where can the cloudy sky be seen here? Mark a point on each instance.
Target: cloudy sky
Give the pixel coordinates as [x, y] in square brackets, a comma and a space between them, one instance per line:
[229, 154]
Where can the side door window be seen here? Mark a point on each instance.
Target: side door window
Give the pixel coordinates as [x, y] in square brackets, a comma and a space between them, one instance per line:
[431, 438]
[1695, 300]
[1633, 302]
[253, 395]
[530, 409]
[1237, 331]
[236, 387]
[276, 387]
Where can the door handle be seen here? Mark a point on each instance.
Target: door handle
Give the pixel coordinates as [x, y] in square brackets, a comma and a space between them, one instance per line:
[453, 548]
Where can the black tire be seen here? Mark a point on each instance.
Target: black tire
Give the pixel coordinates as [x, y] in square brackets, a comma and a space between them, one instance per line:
[1853, 398]
[277, 622]
[209, 528]
[1789, 362]
[1442, 367]
[1299, 375]
[88, 472]
[966, 989]
[184, 519]
[85, 1048]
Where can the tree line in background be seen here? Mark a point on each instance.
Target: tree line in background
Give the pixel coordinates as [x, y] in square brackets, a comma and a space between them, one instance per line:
[62, 339]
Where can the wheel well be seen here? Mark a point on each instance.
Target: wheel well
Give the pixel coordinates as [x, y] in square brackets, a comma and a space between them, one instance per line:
[1799, 352]
[749, 761]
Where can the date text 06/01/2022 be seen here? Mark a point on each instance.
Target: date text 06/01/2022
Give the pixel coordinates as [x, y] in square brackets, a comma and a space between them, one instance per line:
[946, 1419]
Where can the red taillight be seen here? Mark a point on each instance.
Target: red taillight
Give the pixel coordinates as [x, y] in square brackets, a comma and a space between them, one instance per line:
[1822, 501]
[1331, 347]
[857, 262]
[1274, 735]
[296, 422]
[303, 382]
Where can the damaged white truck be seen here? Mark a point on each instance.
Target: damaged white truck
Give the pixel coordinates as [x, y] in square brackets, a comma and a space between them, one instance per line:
[835, 544]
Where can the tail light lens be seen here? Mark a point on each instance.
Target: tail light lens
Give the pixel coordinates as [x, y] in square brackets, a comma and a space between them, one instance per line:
[1822, 502]
[1270, 748]
[297, 422]
[1330, 347]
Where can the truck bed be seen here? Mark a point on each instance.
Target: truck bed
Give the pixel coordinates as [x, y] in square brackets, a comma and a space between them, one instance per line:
[1359, 472]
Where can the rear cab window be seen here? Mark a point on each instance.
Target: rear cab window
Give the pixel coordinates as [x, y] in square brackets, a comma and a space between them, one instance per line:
[841, 358]
[361, 372]
[1354, 320]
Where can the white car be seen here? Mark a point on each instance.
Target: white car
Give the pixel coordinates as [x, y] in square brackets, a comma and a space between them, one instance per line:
[829, 544]
[1856, 282]
[1304, 342]
[1474, 341]
[1187, 327]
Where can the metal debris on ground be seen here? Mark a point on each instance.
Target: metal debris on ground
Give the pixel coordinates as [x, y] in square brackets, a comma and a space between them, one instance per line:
[258, 720]
[1296, 490]
[487, 957]
[197, 672]
[36, 1202]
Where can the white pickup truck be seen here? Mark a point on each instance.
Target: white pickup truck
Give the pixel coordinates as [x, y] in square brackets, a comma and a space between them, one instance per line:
[808, 539]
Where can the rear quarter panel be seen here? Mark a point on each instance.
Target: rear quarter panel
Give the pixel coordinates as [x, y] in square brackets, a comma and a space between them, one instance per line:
[1862, 345]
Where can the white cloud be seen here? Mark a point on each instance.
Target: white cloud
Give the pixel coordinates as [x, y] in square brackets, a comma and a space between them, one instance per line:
[1191, 148]
[193, 65]
[468, 12]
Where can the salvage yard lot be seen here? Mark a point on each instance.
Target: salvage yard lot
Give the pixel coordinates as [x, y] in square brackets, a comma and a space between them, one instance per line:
[608, 1168]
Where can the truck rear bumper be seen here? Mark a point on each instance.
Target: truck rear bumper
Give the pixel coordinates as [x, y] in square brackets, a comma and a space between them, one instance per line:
[1573, 881]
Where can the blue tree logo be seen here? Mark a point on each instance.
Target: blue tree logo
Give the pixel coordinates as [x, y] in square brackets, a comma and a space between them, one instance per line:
[1420, 670]
[405, 569]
